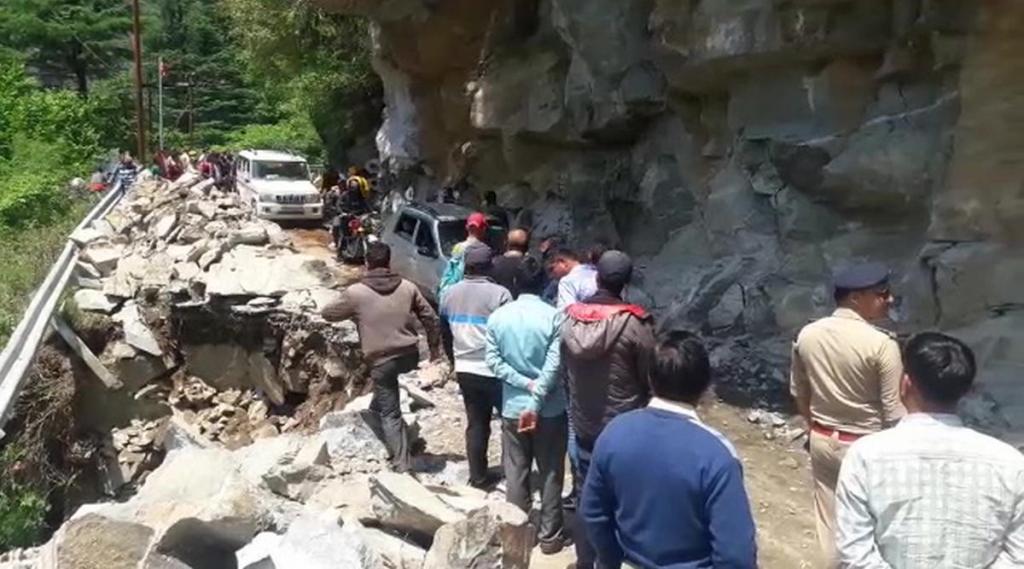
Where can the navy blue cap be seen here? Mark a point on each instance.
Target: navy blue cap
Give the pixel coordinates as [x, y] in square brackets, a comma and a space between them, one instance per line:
[615, 266]
[862, 276]
[478, 255]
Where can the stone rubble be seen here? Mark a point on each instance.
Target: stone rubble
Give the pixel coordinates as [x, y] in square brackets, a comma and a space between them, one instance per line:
[289, 501]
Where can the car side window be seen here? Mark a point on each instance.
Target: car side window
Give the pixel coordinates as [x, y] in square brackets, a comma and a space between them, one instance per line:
[425, 238]
[406, 226]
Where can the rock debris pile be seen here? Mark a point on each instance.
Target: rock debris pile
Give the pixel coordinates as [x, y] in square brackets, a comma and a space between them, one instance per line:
[230, 419]
[316, 500]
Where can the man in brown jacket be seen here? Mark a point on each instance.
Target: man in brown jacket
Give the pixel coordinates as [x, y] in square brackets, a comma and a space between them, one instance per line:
[381, 304]
[607, 346]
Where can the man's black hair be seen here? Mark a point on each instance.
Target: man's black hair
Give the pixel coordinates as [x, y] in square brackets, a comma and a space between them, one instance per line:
[595, 251]
[565, 253]
[491, 198]
[378, 255]
[941, 367]
[840, 294]
[681, 370]
[531, 276]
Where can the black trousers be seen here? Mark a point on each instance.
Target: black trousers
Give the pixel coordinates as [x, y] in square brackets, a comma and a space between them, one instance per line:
[482, 397]
[546, 447]
[388, 409]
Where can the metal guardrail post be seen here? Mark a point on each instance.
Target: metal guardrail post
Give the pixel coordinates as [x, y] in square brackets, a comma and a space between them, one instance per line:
[20, 351]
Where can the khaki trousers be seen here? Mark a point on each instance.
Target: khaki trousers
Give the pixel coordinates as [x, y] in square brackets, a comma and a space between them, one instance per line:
[826, 457]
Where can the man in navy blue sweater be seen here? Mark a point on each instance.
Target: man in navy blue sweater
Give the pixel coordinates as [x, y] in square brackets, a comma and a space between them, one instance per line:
[675, 500]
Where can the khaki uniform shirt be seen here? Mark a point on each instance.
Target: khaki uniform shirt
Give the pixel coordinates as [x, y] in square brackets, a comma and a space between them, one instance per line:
[852, 371]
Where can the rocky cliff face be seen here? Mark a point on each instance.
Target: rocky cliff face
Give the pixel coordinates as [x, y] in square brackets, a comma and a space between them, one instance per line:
[742, 150]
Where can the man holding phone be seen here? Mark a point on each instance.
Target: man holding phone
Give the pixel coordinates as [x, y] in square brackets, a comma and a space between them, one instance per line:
[523, 353]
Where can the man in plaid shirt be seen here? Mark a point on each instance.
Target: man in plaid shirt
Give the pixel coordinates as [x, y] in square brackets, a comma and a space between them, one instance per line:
[931, 492]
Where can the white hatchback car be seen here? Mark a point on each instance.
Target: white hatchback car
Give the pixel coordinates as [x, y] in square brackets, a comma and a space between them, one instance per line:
[277, 185]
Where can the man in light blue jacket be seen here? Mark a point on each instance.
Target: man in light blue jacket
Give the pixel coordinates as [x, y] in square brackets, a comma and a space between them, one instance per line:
[523, 345]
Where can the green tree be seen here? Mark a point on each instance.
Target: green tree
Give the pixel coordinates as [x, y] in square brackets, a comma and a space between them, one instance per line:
[318, 62]
[80, 40]
[207, 92]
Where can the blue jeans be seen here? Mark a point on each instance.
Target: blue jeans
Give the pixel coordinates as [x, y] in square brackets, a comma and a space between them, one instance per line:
[586, 557]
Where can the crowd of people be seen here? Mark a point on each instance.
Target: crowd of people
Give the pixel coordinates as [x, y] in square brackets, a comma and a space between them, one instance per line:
[547, 342]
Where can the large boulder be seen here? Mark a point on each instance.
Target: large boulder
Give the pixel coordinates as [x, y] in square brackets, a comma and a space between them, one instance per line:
[248, 270]
[311, 542]
[401, 503]
[94, 540]
[498, 535]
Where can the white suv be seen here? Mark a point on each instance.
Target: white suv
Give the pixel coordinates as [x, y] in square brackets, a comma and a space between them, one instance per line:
[277, 185]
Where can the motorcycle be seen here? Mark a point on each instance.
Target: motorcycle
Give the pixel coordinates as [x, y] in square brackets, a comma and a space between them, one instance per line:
[355, 233]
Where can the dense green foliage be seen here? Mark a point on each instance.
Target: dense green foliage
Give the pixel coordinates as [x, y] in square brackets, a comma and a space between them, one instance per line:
[68, 41]
[46, 138]
[316, 64]
[23, 506]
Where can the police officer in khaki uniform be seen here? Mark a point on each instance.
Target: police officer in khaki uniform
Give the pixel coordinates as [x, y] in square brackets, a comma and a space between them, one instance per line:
[845, 378]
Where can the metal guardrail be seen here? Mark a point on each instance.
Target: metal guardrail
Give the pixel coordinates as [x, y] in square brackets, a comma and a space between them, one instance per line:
[17, 357]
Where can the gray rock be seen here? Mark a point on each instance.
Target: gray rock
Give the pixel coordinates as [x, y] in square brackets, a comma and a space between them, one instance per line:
[203, 208]
[498, 535]
[313, 542]
[350, 437]
[165, 225]
[401, 503]
[94, 301]
[394, 552]
[85, 235]
[103, 257]
[249, 234]
[257, 553]
[185, 271]
[178, 434]
[251, 271]
[95, 540]
[136, 332]
[85, 269]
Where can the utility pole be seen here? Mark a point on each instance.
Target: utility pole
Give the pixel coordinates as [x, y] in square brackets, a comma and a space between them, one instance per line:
[140, 124]
[160, 100]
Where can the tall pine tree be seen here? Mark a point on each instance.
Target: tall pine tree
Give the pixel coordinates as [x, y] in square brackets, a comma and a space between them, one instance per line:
[73, 41]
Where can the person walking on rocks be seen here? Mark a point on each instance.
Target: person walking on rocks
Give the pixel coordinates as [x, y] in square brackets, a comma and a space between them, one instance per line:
[606, 347]
[381, 304]
[931, 492]
[845, 380]
[664, 490]
[466, 308]
[523, 352]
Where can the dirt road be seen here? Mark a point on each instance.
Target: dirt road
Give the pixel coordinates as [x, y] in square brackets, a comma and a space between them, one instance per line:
[315, 241]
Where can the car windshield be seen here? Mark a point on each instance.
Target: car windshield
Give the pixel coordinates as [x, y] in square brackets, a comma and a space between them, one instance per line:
[454, 232]
[281, 170]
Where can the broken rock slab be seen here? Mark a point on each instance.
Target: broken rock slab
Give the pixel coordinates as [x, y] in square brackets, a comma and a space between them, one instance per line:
[254, 271]
[85, 235]
[394, 552]
[103, 257]
[497, 535]
[400, 502]
[165, 225]
[311, 542]
[94, 301]
[136, 333]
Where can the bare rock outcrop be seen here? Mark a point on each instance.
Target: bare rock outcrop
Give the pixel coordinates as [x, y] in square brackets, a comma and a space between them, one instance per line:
[741, 151]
